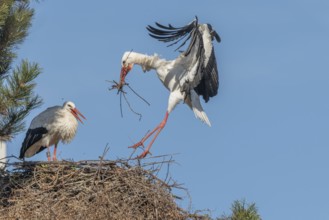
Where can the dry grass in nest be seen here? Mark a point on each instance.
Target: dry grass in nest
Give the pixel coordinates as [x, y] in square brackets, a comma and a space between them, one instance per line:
[122, 189]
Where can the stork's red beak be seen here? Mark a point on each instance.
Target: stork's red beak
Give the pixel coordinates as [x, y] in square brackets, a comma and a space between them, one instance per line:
[76, 113]
[124, 72]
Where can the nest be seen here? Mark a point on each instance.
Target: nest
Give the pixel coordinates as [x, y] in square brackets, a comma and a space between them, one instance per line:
[122, 189]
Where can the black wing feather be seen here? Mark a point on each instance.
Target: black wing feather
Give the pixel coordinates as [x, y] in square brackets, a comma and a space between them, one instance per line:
[32, 136]
[206, 80]
[170, 27]
[169, 33]
[209, 83]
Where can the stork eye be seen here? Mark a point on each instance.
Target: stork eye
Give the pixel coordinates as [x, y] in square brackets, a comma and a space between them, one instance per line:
[124, 62]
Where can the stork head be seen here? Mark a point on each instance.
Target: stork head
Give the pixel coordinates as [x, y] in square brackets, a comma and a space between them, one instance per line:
[126, 66]
[127, 60]
[70, 106]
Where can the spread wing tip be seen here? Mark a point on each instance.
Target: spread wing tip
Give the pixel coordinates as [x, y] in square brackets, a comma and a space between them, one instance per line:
[170, 33]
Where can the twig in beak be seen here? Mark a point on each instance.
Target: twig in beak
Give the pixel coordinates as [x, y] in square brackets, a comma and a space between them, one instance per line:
[119, 87]
[116, 85]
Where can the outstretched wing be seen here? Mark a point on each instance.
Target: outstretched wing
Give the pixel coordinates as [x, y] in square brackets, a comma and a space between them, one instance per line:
[201, 73]
[32, 136]
[170, 33]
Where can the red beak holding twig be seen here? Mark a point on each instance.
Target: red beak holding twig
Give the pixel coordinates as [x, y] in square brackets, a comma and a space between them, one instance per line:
[124, 72]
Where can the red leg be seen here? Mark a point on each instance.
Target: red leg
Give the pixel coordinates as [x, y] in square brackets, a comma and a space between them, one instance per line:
[48, 154]
[54, 156]
[141, 142]
[158, 129]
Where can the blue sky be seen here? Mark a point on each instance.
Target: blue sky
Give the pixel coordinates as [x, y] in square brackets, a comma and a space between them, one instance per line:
[269, 137]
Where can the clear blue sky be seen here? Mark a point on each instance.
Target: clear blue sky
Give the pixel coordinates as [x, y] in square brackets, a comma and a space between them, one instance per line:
[269, 138]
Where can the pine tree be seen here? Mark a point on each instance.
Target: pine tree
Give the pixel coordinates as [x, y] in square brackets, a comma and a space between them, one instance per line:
[242, 211]
[16, 83]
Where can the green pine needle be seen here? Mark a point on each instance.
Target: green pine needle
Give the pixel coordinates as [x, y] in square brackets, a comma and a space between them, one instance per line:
[17, 98]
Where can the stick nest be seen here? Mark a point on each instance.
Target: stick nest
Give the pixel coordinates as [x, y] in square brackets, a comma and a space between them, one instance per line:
[87, 190]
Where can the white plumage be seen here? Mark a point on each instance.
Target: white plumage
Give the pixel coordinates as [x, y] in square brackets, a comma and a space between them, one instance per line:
[55, 124]
[192, 74]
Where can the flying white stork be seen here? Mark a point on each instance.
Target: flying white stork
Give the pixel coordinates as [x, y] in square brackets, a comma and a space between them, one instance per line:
[57, 123]
[192, 74]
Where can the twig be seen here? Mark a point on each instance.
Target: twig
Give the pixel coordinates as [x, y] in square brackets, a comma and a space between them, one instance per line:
[101, 159]
[129, 53]
[119, 87]
[121, 105]
[131, 109]
[138, 95]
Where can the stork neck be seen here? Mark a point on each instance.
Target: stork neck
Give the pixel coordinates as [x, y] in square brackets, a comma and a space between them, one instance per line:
[146, 62]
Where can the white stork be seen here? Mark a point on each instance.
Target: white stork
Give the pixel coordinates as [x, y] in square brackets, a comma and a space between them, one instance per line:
[192, 74]
[57, 123]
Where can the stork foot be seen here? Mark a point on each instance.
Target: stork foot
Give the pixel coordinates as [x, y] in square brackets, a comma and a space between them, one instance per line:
[54, 158]
[138, 144]
[144, 154]
[156, 132]
[141, 142]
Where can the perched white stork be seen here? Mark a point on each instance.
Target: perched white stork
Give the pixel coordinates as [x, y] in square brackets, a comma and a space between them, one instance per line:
[192, 74]
[57, 123]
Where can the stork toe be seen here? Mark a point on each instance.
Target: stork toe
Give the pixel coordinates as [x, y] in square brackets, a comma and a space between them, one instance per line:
[138, 144]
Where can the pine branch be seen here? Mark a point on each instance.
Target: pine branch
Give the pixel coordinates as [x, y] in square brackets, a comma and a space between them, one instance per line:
[242, 211]
[14, 24]
[17, 99]
[13, 123]
[16, 90]
[20, 83]
[4, 12]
